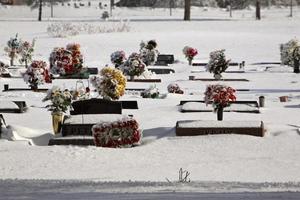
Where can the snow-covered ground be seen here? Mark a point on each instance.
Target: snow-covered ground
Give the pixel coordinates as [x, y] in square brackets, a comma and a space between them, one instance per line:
[247, 160]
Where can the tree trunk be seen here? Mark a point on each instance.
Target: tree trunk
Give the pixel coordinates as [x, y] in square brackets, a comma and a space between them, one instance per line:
[112, 4]
[40, 10]
[51, 5]
[187, 10]
[291, 4]
[258, 9]
[230, 8]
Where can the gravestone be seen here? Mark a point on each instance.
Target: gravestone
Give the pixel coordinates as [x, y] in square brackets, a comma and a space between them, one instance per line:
[161, 70]
[165, 59]
[207, 127]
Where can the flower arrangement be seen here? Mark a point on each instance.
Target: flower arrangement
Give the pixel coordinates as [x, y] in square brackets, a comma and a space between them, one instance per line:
[134, 66]
[148, 52]
[151, 92]
[189, 53]
[122, 133]
[26, 52]
[37, 74]
[174, 88]
[66, 61]
[219, 95]
[118, 58]
[60, 100]
[287, 52]
[111, 85]
[217, 63]
[13, 48]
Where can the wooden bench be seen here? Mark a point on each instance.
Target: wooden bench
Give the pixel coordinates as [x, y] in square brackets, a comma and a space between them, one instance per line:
[207, 127]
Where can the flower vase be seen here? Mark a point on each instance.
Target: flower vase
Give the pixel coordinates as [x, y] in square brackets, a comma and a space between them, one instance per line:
[34, 87]
[217, 76]
[131, 78]
[57, 120]
[190, 61]
[220, 113]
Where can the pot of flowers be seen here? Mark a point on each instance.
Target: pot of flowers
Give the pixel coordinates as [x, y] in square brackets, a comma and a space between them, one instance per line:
[110, 84]
[220, 96]
[13, 48]
[60, 102]
[190, 53]
[67, 61]
[118, 58]
[174, 88]
[36, 74]
[148, 52]
[151, 92]
[26, 52]
[217, 63]
[134, 66]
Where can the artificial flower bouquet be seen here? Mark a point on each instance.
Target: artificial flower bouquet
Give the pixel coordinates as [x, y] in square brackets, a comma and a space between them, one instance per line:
[60, 100]
[219, 95]
[13, 48]
[148, 52]
[26, 50]
[118, 58]
[36, 74]
[110, 84]
[118, 134]
[174, 88]
[151, 92]
[67, 61]
[217, 63]
[190, 53]
[288, 52]
[134, 66]
[3, 68]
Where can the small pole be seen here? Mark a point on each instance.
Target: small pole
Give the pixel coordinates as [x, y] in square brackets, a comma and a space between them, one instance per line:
[171, 2]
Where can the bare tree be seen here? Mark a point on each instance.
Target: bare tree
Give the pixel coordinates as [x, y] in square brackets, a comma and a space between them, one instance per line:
[187, 10]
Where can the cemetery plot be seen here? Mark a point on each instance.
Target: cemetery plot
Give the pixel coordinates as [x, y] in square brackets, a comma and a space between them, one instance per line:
[206, 127]
[236, 106]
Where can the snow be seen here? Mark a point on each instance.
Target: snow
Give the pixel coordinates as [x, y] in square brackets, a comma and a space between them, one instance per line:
[93, 118]
[215, 159]
[8, 105]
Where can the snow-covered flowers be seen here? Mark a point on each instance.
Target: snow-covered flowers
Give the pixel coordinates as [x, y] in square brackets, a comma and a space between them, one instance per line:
[118, 58]
[189, 53]
[26, 52]
[111, 83]
[134, 66]
[13, 48]
[36, 74]
[122, 133]
[151, 92]
[148, 52]
[288, 52]
[66, 61]
[219, 95]
[174, 88]
[60, 100]
[3, 68]
[217, 63]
